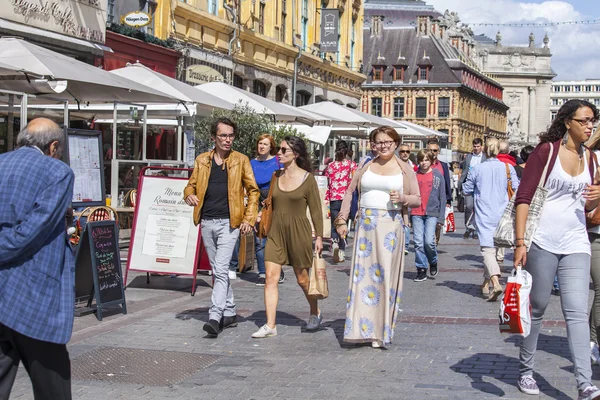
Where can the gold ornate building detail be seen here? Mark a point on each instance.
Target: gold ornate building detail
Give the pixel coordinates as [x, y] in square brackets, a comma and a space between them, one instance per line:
[251, 41]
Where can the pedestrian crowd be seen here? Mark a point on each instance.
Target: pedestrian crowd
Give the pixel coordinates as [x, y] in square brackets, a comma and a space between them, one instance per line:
[386, 196]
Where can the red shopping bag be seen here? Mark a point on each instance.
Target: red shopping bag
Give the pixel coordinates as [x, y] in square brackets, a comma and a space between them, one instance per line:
[515, 309]
[449, 225]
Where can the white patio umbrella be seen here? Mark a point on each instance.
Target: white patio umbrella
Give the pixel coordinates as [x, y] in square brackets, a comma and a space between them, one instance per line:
[257, 103]
[172, 87]
[84, 82]
[420, 130]
[329, 108]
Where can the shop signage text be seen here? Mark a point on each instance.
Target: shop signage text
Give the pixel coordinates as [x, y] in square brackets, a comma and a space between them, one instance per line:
[136, 19]
[202, 74]
[84, 19]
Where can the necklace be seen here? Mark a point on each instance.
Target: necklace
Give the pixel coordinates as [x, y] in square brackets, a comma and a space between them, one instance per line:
[573, 151]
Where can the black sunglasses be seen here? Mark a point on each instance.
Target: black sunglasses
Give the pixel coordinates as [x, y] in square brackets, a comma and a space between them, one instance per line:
[283, 149]
[404, 151]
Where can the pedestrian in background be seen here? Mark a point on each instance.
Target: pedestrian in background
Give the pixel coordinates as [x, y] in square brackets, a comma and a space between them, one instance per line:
[594, 236]
[339, 174]
[524, 155]
[218, 175]
[264, 166]
[387, 187]
[37, 267]
[488, 184]
[289, 240]
[433, 145]
[471, 160]
[428, 216]
[404, 154]
[560, 245]
[505, 157]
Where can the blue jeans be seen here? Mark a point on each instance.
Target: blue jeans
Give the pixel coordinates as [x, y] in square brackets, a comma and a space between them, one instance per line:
[259, 249]
[424, 237]
[406, 237]
[334, 209]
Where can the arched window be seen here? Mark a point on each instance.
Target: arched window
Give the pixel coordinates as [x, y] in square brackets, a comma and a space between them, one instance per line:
[320, 99]
[281, 94]
[259, 88]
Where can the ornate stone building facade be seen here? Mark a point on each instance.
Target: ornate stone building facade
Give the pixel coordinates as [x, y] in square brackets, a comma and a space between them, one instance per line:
[420, 69]
[526, 74]
[249, 44]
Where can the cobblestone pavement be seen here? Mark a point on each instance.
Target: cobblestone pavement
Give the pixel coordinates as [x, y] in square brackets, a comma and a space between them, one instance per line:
[446, 346]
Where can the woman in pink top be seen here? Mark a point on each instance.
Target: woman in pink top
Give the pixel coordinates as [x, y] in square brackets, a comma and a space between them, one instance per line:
[339, 173]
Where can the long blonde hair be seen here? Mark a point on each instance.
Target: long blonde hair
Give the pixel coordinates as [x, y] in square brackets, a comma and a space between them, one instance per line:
[594, 142]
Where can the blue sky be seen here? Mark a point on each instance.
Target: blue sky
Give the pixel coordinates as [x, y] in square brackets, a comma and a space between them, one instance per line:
[575, 48]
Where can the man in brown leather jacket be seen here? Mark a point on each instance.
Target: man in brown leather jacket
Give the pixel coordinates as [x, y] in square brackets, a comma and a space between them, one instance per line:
[216, 191]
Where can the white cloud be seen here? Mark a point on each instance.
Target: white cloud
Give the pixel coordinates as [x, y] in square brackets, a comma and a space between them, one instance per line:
[575, 48]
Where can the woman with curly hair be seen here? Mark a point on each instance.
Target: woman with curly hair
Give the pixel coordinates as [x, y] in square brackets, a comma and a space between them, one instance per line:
[289, 240]
[387, 187]
[560, 244]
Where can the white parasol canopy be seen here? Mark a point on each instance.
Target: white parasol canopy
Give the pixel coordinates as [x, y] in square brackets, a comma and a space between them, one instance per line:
[84, 82]
[418, 130]
[260, 104]
[171, 87]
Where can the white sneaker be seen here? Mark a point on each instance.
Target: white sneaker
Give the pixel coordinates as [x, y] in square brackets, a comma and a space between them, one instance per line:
[341, 255]
[589, 393]
[264, 332]
[595, 353]
[335, 252]
[232, 275]
[377, 344]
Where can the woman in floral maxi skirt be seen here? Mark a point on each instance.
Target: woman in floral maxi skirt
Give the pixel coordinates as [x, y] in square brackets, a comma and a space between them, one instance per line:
[387, 188]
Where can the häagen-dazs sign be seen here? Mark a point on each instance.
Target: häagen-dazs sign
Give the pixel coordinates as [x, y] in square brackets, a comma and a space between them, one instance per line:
[83, 19]
[202, 74]
[137, 19]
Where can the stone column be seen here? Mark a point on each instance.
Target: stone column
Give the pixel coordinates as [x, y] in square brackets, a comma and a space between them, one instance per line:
[531, 126]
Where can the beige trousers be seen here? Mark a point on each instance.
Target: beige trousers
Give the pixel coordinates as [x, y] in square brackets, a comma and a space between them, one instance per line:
[490, 265]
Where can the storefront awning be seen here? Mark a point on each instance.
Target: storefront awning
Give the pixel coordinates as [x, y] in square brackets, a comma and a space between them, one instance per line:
[52, 38]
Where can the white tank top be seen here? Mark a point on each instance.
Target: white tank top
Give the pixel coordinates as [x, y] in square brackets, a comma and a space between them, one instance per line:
[375, 190]
[562, 224]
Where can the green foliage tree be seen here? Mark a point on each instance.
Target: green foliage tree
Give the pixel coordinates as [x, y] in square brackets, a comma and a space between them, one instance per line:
[250, 126]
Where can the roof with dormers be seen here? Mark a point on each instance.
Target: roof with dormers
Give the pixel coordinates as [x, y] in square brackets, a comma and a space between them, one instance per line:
[400, 43]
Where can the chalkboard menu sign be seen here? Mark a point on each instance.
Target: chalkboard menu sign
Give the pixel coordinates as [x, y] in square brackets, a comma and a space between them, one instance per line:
[99, 251]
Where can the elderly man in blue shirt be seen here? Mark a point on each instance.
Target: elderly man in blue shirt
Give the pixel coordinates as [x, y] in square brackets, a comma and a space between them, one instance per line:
[488, 183]
[37, 271]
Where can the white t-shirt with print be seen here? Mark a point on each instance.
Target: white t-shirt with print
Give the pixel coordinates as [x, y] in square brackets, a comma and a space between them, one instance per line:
[562, 227]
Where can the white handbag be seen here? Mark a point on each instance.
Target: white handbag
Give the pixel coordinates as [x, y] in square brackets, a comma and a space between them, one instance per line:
[504, 236]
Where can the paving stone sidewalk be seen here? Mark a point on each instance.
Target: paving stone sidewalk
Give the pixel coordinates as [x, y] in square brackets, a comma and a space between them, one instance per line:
[446, 346]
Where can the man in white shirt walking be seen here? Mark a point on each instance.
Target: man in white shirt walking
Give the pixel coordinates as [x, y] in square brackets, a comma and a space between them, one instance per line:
[473, 159]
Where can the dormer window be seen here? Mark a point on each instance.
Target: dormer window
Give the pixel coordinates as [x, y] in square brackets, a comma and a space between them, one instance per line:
[424, 68]
[378, 71]
[377, 74]
[398, 72]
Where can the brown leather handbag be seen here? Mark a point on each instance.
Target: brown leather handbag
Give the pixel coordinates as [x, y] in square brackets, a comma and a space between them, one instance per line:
[510, 190]
[267, 212]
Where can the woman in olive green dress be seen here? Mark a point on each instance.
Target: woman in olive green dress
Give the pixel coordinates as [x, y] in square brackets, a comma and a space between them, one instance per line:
[289, 240]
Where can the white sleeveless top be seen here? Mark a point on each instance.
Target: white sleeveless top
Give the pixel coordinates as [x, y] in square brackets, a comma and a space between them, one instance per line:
[562, 227]
[375, 190]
